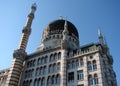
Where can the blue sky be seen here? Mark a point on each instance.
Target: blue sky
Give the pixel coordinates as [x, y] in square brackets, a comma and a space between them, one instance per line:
[86, 15]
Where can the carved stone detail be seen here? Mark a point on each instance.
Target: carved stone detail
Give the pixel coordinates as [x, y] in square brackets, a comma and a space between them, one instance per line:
[19, 54]
[26, 30]
[64, 45]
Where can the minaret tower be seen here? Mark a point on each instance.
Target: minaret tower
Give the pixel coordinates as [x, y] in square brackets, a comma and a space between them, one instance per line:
[101, 39]
[64, 48]
[20, 54]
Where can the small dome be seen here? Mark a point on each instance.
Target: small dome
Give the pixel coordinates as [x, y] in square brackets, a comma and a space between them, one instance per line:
[57, 27]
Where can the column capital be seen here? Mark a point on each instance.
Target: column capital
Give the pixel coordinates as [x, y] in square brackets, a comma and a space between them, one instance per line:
[19, 54]
[26, 30]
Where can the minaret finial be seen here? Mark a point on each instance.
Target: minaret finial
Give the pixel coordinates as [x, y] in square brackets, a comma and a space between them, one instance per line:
[99, 32]
[100, 36]
[33, 8]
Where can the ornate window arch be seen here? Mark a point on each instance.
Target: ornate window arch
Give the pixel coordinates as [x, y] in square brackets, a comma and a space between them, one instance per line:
[35, 82]
[59, 55]
[30, 83]
[42, 60]
[51, 57]
[49, 81]
[50, 68]
[54, 67]
[58, 79]
[58, 66]
[53, 79]
[55, 56]
[94, 65]
[37, 72]
[90, 80]
[44, 69]
[96, 79]
[46, 59]
[89, 66]
[43, 82]
[38, 82]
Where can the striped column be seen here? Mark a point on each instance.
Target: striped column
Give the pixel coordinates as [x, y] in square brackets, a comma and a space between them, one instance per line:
[63, 68]
[16, 68]
[19, 55]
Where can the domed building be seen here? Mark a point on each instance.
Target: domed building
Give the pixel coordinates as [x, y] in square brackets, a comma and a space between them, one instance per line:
[52, 35]
[60, 60]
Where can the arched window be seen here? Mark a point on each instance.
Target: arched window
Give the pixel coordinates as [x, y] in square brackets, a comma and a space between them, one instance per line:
[43, 82]
[55, 56]
[94, 65]
[38, 62]
[28, 64]
[96, 79]
[31, 63]
[49, 81]
[106, 77]
[53, 80]
[37, 72]
[41, 70]
[30, 83]
[29, 73]
[58, 79]
[32, 72]
[35, 82]
[38, 82]
[45, 70]
[112, 84]
[42, 60]
[104, 63]
[54, 68]
[27, 83]
[46, 59]
[89, 66]
[50, 68]
[34, 62]
[51, 57]
[90, 80]
[23, 83]
[59, 55]
[58, 67]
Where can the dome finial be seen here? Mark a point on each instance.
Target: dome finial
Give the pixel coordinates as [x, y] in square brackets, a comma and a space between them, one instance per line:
[99, 31]
[33, 8]
[100, 36]
[61, 17]
[66, 26]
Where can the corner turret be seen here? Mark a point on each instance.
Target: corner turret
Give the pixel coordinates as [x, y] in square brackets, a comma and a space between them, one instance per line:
[65, 33]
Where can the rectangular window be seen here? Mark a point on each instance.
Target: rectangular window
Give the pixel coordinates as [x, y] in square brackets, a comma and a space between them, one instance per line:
[71, 77]
[80, 75]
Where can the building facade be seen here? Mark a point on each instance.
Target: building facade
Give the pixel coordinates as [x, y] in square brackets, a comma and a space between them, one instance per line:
[60, 60]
